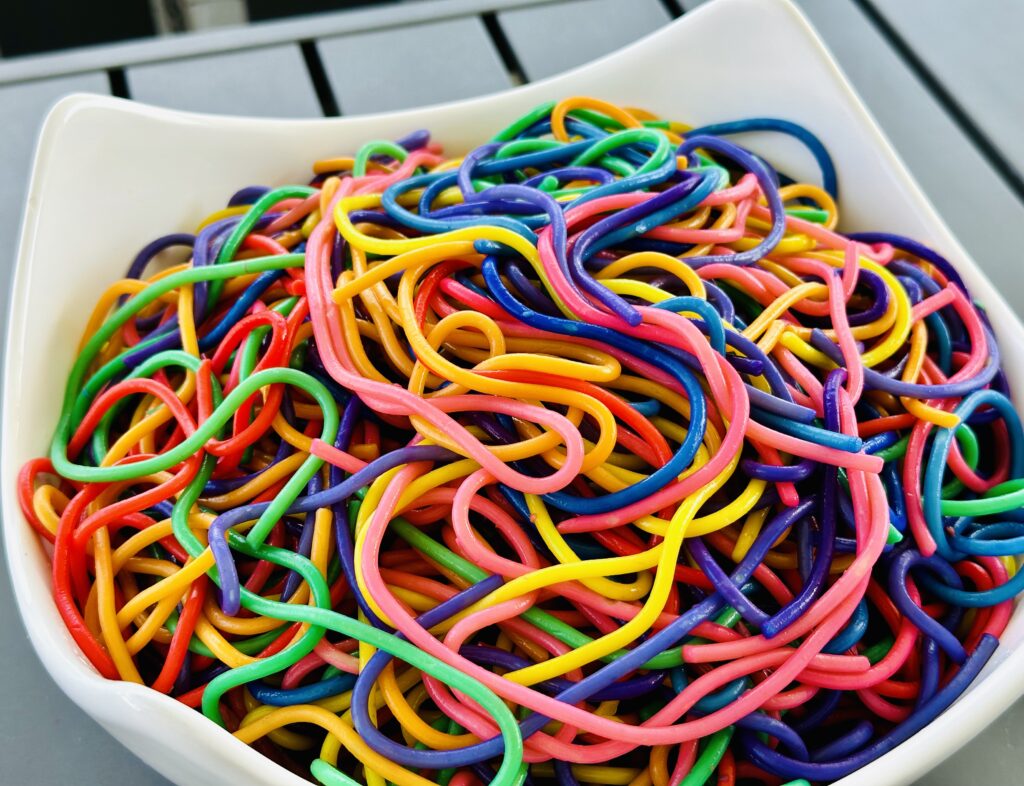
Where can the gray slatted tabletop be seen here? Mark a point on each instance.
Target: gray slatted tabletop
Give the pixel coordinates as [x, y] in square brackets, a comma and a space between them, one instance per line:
[236, 83]
[942, 78]
[466, 64]
[585, 30]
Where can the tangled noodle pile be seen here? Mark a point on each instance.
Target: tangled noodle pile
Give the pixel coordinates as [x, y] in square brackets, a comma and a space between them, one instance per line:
[595, 455]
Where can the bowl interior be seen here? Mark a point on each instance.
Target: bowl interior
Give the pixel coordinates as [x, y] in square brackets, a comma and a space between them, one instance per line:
[110, 175]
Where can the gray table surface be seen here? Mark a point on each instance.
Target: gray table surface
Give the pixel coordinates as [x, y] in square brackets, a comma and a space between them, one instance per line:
[942, 79]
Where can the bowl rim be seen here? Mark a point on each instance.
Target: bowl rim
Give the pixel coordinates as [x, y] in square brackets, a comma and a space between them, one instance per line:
[989, 696]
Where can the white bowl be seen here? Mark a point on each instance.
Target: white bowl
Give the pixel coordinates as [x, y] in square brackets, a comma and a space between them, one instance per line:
[109, 175]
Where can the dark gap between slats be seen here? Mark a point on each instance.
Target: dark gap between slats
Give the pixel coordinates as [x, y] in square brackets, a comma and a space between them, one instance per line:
[672, 6]
[328, 103]
[118, 83]
[1003, 167]
[505, 51]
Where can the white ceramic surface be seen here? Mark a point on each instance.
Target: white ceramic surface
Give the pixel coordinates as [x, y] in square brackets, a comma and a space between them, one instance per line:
[109, 175]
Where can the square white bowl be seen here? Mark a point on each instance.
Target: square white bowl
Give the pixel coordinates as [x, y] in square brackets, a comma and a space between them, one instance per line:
[109, 175]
